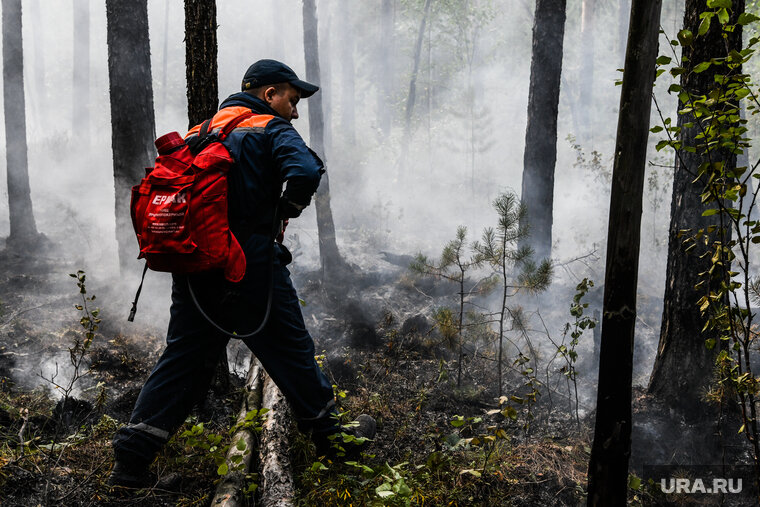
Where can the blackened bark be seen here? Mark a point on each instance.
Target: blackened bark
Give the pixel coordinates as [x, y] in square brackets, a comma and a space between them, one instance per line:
[333, 265]
[132, 119]
[203, 100]
[683, 366]
[384, 82]
[541, 134]
[201, 61]
[23, 227]
[608, 466]
[81, 66]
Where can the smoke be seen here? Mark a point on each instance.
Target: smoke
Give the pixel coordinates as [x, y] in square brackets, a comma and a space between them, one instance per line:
[389, 193]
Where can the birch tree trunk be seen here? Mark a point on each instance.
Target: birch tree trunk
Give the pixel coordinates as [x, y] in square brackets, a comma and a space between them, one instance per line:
[239, 460]
[277, 486]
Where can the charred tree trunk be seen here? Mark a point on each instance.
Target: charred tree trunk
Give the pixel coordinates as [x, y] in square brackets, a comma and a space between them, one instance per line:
[23, 231]
[81, 95]
[277, 485]
[608, 466]
[133, 124]
[586, 77]
[333, 265]
[200, 60]
[348, 93]
[541, 133]
[683, 366]
[203, 100]
[384, 81]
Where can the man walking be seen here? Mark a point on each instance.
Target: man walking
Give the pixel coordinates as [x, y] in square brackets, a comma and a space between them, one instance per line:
[206, 309]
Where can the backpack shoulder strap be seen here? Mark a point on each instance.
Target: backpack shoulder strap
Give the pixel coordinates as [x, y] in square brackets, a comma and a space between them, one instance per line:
[204, 129]
[234, 123]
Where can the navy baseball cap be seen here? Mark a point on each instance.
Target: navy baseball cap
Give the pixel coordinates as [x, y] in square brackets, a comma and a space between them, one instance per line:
[269, 72]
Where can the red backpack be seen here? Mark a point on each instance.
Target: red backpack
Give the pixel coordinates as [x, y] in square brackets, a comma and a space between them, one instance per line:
[179, 209]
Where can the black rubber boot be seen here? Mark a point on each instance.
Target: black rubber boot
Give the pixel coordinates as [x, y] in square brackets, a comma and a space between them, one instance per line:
[130, 475]
[350, 441]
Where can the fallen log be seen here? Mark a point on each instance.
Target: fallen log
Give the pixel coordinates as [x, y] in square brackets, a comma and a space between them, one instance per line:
[276, 473]
[229, 492]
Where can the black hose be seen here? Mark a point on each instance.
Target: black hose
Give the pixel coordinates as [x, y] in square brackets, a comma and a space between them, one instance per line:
[270, 294]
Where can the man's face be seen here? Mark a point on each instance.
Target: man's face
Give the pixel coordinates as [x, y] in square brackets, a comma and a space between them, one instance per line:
[284, 101]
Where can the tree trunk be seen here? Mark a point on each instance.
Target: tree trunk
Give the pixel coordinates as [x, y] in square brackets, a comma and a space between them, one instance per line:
[229, 490]
[683, 366]
[39, 99]
[608, 466]
[384, 81]
[348, 92]
[133, 126]
[415, 70]
[325, 42]
[203, 100]
[333, 265]
[23, 227]
[200, 60]
[81, 89]
[541, 133]
[586, 77]
[277, 485]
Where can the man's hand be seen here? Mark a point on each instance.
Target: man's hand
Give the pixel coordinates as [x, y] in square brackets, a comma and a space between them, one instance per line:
[288, 209]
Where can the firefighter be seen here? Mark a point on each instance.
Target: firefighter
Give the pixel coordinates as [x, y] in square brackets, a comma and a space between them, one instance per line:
[268, 153]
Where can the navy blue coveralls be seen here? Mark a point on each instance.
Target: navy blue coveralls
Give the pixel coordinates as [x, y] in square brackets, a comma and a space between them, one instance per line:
[268, 153]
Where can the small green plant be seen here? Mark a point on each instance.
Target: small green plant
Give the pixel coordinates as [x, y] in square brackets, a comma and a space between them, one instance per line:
[454, 265]
[499, 250]
[78, 357]
[568, 351]
[213, 447]
[394, 486]
[89, 321]
[711, 125]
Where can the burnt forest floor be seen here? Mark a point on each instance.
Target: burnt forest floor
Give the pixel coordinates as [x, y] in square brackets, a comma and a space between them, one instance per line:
[437, 444]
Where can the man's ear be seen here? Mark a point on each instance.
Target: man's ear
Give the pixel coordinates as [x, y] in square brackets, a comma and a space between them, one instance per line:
[269, 93]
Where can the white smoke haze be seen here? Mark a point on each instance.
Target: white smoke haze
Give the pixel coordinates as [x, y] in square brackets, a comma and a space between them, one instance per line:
[380, 202]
